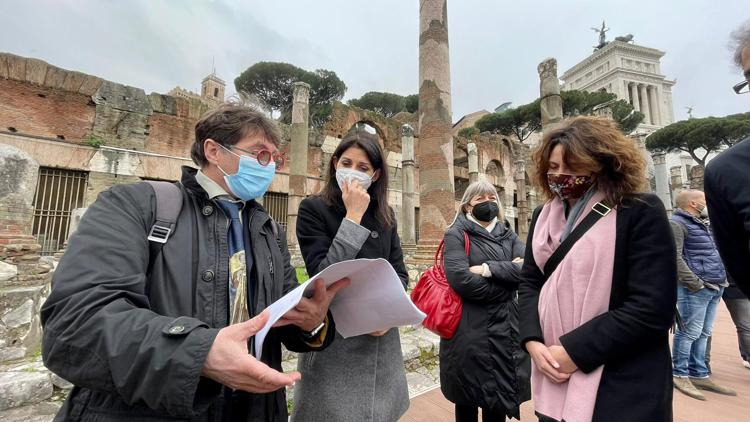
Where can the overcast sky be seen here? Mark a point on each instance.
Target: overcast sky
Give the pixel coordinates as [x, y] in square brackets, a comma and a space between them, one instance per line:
[372, 45]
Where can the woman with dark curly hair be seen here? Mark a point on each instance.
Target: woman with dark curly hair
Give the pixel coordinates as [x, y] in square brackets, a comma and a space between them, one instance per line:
[596, 325]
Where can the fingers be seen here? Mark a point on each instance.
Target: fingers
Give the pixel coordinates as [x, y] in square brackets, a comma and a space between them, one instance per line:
[248, 328]
[260, 378]
[546, 363]
[345, 188]
[320, 291]
[378, 333]
[282, 322]
[338, 286]
[548, 357]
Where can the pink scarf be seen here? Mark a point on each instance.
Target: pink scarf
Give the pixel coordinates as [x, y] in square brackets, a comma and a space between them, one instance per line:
[575, 293]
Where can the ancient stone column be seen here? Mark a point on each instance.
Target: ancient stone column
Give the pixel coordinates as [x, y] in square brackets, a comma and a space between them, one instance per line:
[645, 109]
[522, 205]
[23, 277]
[407, 180]
[297, 161]
[676, 176]
[653, 100]
[549, 93]
[634, 95]
[662, 179]
[471, 148]
[696, 177]
[435, 141]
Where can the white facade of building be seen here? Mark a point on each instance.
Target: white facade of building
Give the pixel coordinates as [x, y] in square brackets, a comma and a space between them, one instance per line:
[633, 73]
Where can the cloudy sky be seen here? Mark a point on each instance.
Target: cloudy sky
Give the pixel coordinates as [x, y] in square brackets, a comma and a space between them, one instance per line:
[372, 45]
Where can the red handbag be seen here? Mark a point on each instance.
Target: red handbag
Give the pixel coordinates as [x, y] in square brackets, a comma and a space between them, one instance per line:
[435, 297]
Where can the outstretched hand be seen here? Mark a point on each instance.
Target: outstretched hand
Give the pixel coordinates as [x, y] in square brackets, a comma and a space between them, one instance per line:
[229, 362]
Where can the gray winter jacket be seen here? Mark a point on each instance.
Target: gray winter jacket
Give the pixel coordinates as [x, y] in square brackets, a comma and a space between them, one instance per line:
[131, 326]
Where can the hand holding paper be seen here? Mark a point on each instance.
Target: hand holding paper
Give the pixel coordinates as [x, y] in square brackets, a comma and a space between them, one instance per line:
[374, 301]
[310, 312]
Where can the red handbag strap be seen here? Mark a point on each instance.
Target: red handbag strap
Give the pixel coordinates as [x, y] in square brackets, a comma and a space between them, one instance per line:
[438, 262]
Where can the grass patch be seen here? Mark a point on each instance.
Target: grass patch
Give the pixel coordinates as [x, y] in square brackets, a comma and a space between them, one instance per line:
[302, 275]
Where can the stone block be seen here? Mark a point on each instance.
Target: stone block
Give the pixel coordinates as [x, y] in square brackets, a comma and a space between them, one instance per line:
[7, 271]
[19, 316]
[36, 71]
[19, 172]
[73, 81]
[23, 388]
[55, 77]
[40, 412]
[330, 144]
[16, 67]
[3, 66]
[90, 85]
[11, 353]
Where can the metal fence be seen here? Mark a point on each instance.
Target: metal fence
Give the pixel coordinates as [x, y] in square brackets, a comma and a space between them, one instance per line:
[58, 192]
[276, 204]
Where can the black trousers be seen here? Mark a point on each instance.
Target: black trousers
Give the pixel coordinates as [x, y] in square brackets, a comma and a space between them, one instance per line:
[468, 413]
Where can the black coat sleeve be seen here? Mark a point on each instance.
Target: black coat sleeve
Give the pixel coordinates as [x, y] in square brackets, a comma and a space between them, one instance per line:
[650, 293]
[468, 285]
[506, 271]
[532, 281]
[99, 331]
[729, 211]
[291, 335]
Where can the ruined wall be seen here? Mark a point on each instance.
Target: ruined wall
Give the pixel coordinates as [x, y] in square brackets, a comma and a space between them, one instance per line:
[343, 117]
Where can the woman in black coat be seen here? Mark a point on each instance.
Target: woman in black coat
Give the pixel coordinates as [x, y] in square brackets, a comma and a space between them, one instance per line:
[611, 365]
[482, 365]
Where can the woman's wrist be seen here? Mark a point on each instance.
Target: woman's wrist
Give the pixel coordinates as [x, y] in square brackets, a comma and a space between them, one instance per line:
[354, 217]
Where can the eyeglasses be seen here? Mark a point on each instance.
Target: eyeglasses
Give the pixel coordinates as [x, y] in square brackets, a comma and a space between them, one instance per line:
[742, 87]
[265, 156]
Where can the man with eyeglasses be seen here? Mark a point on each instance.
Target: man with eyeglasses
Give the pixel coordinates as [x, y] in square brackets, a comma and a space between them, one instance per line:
[727, 186]
[165, 333]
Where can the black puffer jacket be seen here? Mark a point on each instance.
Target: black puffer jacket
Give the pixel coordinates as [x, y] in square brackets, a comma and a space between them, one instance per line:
[133, 337]
[483, 364]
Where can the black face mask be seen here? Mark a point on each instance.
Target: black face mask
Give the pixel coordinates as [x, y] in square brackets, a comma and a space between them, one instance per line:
[485, 211]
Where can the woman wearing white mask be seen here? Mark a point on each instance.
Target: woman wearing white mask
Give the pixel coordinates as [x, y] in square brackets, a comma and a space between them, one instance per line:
[358, 378]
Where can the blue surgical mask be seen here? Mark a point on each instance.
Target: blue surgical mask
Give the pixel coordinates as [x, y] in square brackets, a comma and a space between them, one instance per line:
[252, 178]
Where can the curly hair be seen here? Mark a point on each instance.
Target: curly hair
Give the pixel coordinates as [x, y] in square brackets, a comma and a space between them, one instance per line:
[597, 145]
[740, 39]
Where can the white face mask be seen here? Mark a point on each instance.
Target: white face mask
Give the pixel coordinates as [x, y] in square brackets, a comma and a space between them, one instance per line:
[345, 175]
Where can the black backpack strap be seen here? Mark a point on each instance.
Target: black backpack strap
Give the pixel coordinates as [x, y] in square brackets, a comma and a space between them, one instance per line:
[598, 211]
[168, 206]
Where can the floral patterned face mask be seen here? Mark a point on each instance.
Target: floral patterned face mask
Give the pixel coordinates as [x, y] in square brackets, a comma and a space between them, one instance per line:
[568, 186]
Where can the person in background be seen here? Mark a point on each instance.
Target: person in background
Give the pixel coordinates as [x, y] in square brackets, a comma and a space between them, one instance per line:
[597, 327]
[482, 365]
[702, 280]
[359, 378]
[727, 184]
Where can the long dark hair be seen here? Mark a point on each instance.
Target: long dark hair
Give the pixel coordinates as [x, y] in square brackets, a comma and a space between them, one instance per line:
[331, 193]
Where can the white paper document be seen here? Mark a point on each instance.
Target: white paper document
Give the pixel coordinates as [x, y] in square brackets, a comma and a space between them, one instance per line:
[374, 301]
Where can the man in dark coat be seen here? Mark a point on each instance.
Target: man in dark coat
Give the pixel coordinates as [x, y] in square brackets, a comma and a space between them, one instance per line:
[162, 332]
[727, 184]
